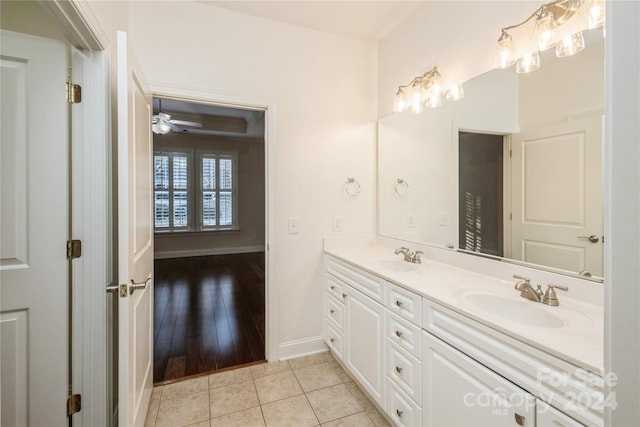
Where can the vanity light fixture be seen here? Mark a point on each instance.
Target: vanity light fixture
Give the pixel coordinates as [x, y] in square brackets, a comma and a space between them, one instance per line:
[550, 30]
[425, 91]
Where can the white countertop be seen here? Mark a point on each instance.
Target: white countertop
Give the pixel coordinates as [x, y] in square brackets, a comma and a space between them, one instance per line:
[575, 330]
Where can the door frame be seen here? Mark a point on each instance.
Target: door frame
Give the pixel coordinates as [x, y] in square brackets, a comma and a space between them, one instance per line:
[506, 182]
[203, 95]
[90, 160]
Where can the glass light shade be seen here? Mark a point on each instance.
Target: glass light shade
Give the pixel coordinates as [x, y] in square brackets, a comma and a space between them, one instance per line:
[160, 128]
[455, 93]
[416, 107]
[595, 13]
[506, 57]
[544, 31]
[528, 63]
[570, 45]
[433, 101]
[401, 102]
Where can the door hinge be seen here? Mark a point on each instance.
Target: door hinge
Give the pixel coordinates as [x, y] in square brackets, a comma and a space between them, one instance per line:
[74, 93]
[74, 404]
[74, 249]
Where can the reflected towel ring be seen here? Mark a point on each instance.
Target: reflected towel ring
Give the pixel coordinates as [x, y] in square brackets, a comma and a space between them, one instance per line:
[352, 187]
[402, 187]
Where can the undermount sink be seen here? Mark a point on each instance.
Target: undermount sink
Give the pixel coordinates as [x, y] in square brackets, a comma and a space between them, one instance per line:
[521, 311]
[396, 265]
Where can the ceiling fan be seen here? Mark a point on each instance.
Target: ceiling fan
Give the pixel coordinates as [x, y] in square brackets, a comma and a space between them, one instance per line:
[162, 123]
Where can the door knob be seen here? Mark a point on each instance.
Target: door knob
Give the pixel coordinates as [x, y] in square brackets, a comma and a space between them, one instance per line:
[139, 285]
[593, 238]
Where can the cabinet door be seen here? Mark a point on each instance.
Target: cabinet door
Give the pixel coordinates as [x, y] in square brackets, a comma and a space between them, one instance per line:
[457, 391]
[364, 339]
[548, 416]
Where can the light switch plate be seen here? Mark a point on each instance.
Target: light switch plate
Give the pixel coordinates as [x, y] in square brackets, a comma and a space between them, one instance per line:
[337, 224]
[294, 226]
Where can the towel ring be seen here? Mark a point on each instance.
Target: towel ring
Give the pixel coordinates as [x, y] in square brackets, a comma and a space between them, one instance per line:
[402, 187]
[352, 187]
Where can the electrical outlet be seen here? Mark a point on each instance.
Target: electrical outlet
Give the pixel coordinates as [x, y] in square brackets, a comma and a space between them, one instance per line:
[337, 224]
[411, 220]
[294, 226]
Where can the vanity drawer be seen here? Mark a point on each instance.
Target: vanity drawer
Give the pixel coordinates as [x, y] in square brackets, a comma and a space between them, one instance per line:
[405, 370]
[405, 303]
[370, 285]
[335, 311]
[405, 335]
[336, 288]
[402, 410]
[334, 341]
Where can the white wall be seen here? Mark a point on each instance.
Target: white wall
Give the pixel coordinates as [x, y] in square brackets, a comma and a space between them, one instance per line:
[324, 90]
[564, 87]
[622, 209]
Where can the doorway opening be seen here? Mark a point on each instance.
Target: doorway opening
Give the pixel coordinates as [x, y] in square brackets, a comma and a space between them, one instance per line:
[481, 193]
[209, 241]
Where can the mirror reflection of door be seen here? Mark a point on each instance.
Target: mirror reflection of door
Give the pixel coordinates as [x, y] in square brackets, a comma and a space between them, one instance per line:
[481, 182]
[557, 197]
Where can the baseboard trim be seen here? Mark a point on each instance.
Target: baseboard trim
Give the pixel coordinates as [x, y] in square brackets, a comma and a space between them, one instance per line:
[303, 347]
[205, 252]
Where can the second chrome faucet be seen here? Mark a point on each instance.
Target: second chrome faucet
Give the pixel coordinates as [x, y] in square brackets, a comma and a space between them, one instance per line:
[409, 255]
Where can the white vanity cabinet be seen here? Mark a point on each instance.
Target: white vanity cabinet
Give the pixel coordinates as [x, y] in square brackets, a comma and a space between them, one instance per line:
[355, 326]
[428, 365]
[460, 391]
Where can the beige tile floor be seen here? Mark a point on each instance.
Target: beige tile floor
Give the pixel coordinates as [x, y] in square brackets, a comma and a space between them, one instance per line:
[308, 391]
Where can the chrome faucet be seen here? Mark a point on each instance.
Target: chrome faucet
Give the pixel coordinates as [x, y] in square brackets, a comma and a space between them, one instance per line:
[526, 290]
[409, 255]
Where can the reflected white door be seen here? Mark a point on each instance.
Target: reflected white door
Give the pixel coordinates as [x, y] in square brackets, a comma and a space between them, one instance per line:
[35, 226]
[135, 239]
[557, 196]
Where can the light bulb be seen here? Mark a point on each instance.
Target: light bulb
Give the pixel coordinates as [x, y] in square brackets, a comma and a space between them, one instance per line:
[455, 93]
[570, 45]
[544, 31]
[416, 107]
[528, 63]
[506, 58]
[401, 102]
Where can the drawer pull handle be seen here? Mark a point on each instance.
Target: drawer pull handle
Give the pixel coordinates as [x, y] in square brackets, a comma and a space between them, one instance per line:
[520, 419]
[399, 334]
[399, 303]
[399, 412]
[398, 369]
[344, 295]
[332, 311]
[332, 340]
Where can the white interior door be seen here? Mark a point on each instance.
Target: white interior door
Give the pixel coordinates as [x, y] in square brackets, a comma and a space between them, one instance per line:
[557, 196]
[135, 240]
[34, 213]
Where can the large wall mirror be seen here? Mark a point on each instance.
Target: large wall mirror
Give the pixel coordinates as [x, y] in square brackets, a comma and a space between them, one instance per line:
[513, 170]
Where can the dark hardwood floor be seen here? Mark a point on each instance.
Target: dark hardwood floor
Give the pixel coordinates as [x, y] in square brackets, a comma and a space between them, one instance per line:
[208, 314]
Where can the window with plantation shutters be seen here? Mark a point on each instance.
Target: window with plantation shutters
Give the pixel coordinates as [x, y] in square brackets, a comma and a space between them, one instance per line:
[218, 194]
[195, 191]
[171, 176]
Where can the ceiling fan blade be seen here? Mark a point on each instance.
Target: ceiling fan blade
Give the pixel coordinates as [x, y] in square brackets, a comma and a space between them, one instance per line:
[186, 123]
